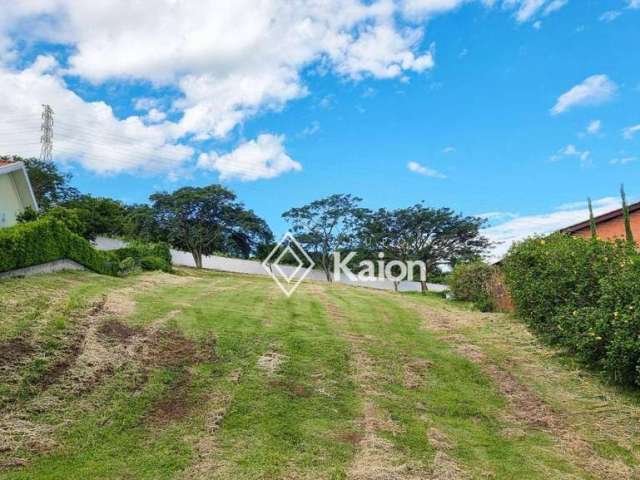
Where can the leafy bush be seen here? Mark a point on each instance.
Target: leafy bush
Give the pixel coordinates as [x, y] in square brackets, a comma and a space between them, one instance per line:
[47, 240]
[584, 295]
[470, 282]
[138, 251]
[126, 267]
[151, 263]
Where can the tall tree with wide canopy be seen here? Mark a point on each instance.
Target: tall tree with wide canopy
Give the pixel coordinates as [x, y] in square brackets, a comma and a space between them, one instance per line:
[206, 220]
[433, 236]
[325, 226]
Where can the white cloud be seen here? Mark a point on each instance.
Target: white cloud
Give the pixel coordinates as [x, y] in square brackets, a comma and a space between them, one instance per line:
[382, 52]
[230, 59]
[554, 6]
[448, 149]
[572, 151]
[537, 25]
[630, 132]
[622, 160]
[521, 227]
[87, 132]
[311, 129]
[595, 90]
[423, 170]
[609, 16]
[594, 127]
[525, 10]
[633, 4]
[262, 158]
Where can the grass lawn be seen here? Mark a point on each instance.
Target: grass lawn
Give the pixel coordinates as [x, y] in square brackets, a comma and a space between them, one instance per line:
[203, 375]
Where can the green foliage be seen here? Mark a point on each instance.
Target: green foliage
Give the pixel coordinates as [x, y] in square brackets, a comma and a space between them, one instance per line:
[470, 282]
[203, 221]
[583, 295]
[127, 267]
[151, 263]
[325, 226]
[157, 255]
[99, 216]
[46, 240]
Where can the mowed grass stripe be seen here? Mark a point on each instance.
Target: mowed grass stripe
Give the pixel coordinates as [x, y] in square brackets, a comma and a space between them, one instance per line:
[457, 408]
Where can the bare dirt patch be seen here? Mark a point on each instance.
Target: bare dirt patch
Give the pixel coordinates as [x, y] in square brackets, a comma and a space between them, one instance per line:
[415, 372]
[172, 349]
[270, 362]
[13, 351]
[174, 406]
[117, 331]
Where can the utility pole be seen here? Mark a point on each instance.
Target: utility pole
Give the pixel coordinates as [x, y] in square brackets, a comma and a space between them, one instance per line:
[46, 139]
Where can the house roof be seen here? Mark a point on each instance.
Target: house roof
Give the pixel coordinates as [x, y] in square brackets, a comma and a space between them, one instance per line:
[605, 217]
[5, 162]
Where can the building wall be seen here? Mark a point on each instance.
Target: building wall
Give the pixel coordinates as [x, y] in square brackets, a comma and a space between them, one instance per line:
[614, 228]
[10, 204]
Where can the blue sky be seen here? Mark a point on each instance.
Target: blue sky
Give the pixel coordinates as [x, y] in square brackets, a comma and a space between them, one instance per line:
[513, 109]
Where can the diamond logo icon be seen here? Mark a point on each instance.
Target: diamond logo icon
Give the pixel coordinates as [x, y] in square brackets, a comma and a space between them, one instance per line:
[288, 277]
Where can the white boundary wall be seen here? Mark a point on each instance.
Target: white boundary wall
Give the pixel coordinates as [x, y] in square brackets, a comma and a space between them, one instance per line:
[252, 267]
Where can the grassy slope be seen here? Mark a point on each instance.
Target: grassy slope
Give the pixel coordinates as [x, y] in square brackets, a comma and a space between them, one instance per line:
[334, 382]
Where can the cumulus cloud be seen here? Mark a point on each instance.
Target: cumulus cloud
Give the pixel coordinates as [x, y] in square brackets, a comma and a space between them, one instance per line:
[595, 90]
[423, 170]
[519, 227]
[262, 158]
[224, 62]
[87, 132]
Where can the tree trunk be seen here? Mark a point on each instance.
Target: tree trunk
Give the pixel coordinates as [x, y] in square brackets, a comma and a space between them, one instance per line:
[423, 287]
[396, 286]
[197, 258]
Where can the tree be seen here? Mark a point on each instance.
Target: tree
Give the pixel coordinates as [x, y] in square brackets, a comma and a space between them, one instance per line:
[627, 217]
[433, 236]
[50, 186]
[592, 221]
[102, 216]
[325, 226]
[206, 220]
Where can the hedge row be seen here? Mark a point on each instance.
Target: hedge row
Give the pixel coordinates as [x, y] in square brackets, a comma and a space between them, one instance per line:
[48, 240]
[584, 295]
[471, 282]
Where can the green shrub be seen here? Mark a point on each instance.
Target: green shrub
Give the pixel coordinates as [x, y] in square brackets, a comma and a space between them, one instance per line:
[47, 240]
[140, 250]
[151, 263]
[582, 294]
[470, 282]
[127, 266]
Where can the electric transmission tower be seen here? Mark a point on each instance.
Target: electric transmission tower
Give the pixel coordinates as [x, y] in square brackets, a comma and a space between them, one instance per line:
[46, 139]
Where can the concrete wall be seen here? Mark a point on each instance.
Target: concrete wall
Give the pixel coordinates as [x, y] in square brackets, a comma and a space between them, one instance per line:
[57, 266]
[252, 267]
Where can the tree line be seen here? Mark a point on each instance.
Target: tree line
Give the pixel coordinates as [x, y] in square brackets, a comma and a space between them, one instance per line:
[211, 220]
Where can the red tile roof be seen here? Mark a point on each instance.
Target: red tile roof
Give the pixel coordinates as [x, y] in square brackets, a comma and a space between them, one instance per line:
[5, 162]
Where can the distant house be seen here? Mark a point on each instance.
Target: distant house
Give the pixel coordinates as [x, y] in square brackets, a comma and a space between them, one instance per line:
[16, 193]
[609, 226]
